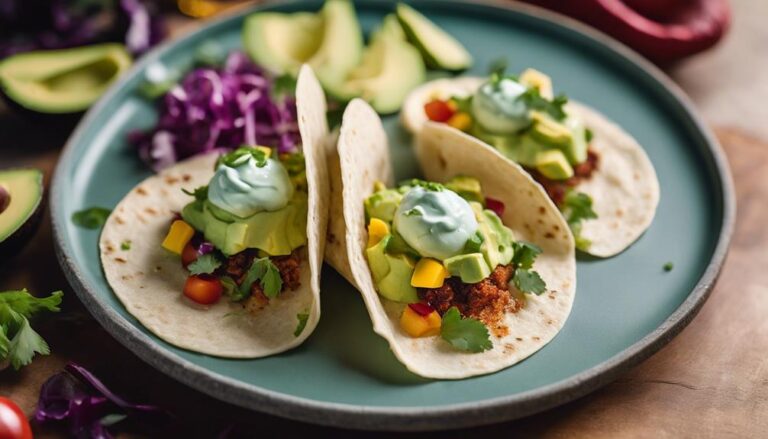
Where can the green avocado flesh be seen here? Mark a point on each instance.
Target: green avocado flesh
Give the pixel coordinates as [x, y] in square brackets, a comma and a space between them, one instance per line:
[553, 165]
[330, 41]
[276, 233]
[391, 273]
[62, 81]
[471, 267]
[22, 196]
[440, 50]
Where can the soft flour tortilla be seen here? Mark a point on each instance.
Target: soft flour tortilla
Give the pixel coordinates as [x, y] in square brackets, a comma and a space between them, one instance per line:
[624, 189]
[443, 153]
[149, 280]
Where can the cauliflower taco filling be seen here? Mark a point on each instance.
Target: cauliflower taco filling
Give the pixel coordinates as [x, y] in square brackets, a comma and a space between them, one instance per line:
[443, 250]
[244, 234]
[521, 117]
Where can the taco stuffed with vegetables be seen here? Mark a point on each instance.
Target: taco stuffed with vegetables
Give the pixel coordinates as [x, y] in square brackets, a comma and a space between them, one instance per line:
[596, 173]
[221, 254]
[465, 273]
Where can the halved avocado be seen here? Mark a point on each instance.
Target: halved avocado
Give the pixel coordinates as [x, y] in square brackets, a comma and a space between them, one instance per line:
[62, 81]
[331, 41]
[21, 196]
[440, 50]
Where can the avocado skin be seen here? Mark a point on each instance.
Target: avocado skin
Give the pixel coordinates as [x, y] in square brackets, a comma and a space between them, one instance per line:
[13, 244]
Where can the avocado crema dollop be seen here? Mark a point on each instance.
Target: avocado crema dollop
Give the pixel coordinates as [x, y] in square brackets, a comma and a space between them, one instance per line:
[498, 106]
[435, 222]
[252, 201]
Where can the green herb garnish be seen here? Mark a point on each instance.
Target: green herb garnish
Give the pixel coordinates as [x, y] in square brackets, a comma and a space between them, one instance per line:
[241, 155]
[535, 101]
[466, 334]
[525, 254]
[428, 185]
[669, 266]
[125, 245]
[413, 212]
[302, 318]
[200, 194]
[529, 281]
[283, 85]
[91, 218]
[498, 66]
[577, 207]
[264, 271]
[588, 135]
[204, 264]
[474, 243]
[18, 341]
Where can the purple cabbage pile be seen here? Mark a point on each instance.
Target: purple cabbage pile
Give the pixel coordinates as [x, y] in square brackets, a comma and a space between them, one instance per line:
[27, 25]
[219, 109]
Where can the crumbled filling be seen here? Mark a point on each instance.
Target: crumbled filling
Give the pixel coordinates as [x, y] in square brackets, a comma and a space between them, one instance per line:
[488, 300]
[556, 189]
[236, 267]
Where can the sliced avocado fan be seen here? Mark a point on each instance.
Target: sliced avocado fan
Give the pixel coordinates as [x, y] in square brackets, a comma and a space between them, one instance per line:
[440, 50]
[62, 81]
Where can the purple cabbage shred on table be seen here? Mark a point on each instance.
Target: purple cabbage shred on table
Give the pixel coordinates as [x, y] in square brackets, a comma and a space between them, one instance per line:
[219, 109]
[79, 400]
[27, 25]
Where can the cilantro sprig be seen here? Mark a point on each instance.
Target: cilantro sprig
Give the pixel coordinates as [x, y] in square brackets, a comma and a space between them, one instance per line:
[466, 334]
[577, 207]
[525, 279]
[91, 218]
[204, 264]
[18, 341]
[428, 185]
[240, 155]
[302, 318]
[266, 273]
[200, 193]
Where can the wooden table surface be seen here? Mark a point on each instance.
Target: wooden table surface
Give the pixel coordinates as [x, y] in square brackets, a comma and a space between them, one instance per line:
[712, 380]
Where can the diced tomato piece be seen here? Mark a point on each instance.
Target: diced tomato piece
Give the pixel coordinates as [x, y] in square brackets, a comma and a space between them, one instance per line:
[438, 111]
[421, 309]
[188, 255]
[203, 289]
[495, 205]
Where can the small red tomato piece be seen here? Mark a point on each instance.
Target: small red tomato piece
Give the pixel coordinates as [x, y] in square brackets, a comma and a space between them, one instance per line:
[203, 289]
[188, 255]
[13, 422]
[421, 309]
[438, 111]
[497, 206]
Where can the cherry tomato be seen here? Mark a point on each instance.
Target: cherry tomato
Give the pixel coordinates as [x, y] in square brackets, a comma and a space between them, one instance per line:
[13, 422]
[203, 289]
[188, 255]
[438, 111]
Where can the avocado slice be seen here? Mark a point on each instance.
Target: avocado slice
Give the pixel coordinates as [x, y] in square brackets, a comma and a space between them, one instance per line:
[62, 81]
[549, 131]
[471, 268]
[331, 41]
[390, 69]
[440, 50]
[467, 187]
[554, 165]
[21, 201]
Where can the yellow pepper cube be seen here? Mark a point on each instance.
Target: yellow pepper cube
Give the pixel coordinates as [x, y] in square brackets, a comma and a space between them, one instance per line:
[429, 273]
[540, 81]
[377, 229]
[417, 325]
[461, 121]
[178, 236]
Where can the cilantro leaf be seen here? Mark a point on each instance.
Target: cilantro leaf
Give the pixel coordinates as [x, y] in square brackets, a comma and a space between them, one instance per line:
[200, 194]
[588, 135]
[91, 218]
[125, 245]
[18, 341]
[26, 304]
[240, 155]
[302, 318]
[205, 264]
[25, 344]
[669, 266]
[230, 288]
[529, 281]
[535, 101]
[498, 66]
[463, 104]
[577, 207]
[465, 334]
[525, 254]
[413, 212]
[428, 185]
[264, 271]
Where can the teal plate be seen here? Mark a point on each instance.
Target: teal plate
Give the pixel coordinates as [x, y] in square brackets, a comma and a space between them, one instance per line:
[626, 308]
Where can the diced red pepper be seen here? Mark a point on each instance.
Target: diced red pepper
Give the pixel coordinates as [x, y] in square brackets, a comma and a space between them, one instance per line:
[439, 111]
[421, 308]
[203, 289]
[495, 205]
[188, 255]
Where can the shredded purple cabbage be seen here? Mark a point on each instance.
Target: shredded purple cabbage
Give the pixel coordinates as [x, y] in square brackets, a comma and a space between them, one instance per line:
[27, 25]
[79, 399]
[219, 109]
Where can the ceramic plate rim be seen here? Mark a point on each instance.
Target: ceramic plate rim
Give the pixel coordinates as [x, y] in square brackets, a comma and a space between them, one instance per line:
[405, 418]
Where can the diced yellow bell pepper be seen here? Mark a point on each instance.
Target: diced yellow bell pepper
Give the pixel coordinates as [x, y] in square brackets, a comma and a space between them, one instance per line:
[379, 186]
[416, 325]
[377, 229]
[178, 236]
[540, 81]
[428, 273]
[461, 121]
[265, 149]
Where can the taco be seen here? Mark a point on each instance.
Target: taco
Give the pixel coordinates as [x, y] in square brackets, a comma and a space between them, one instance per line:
[466, 273]
[221, 254]
[595, 172]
